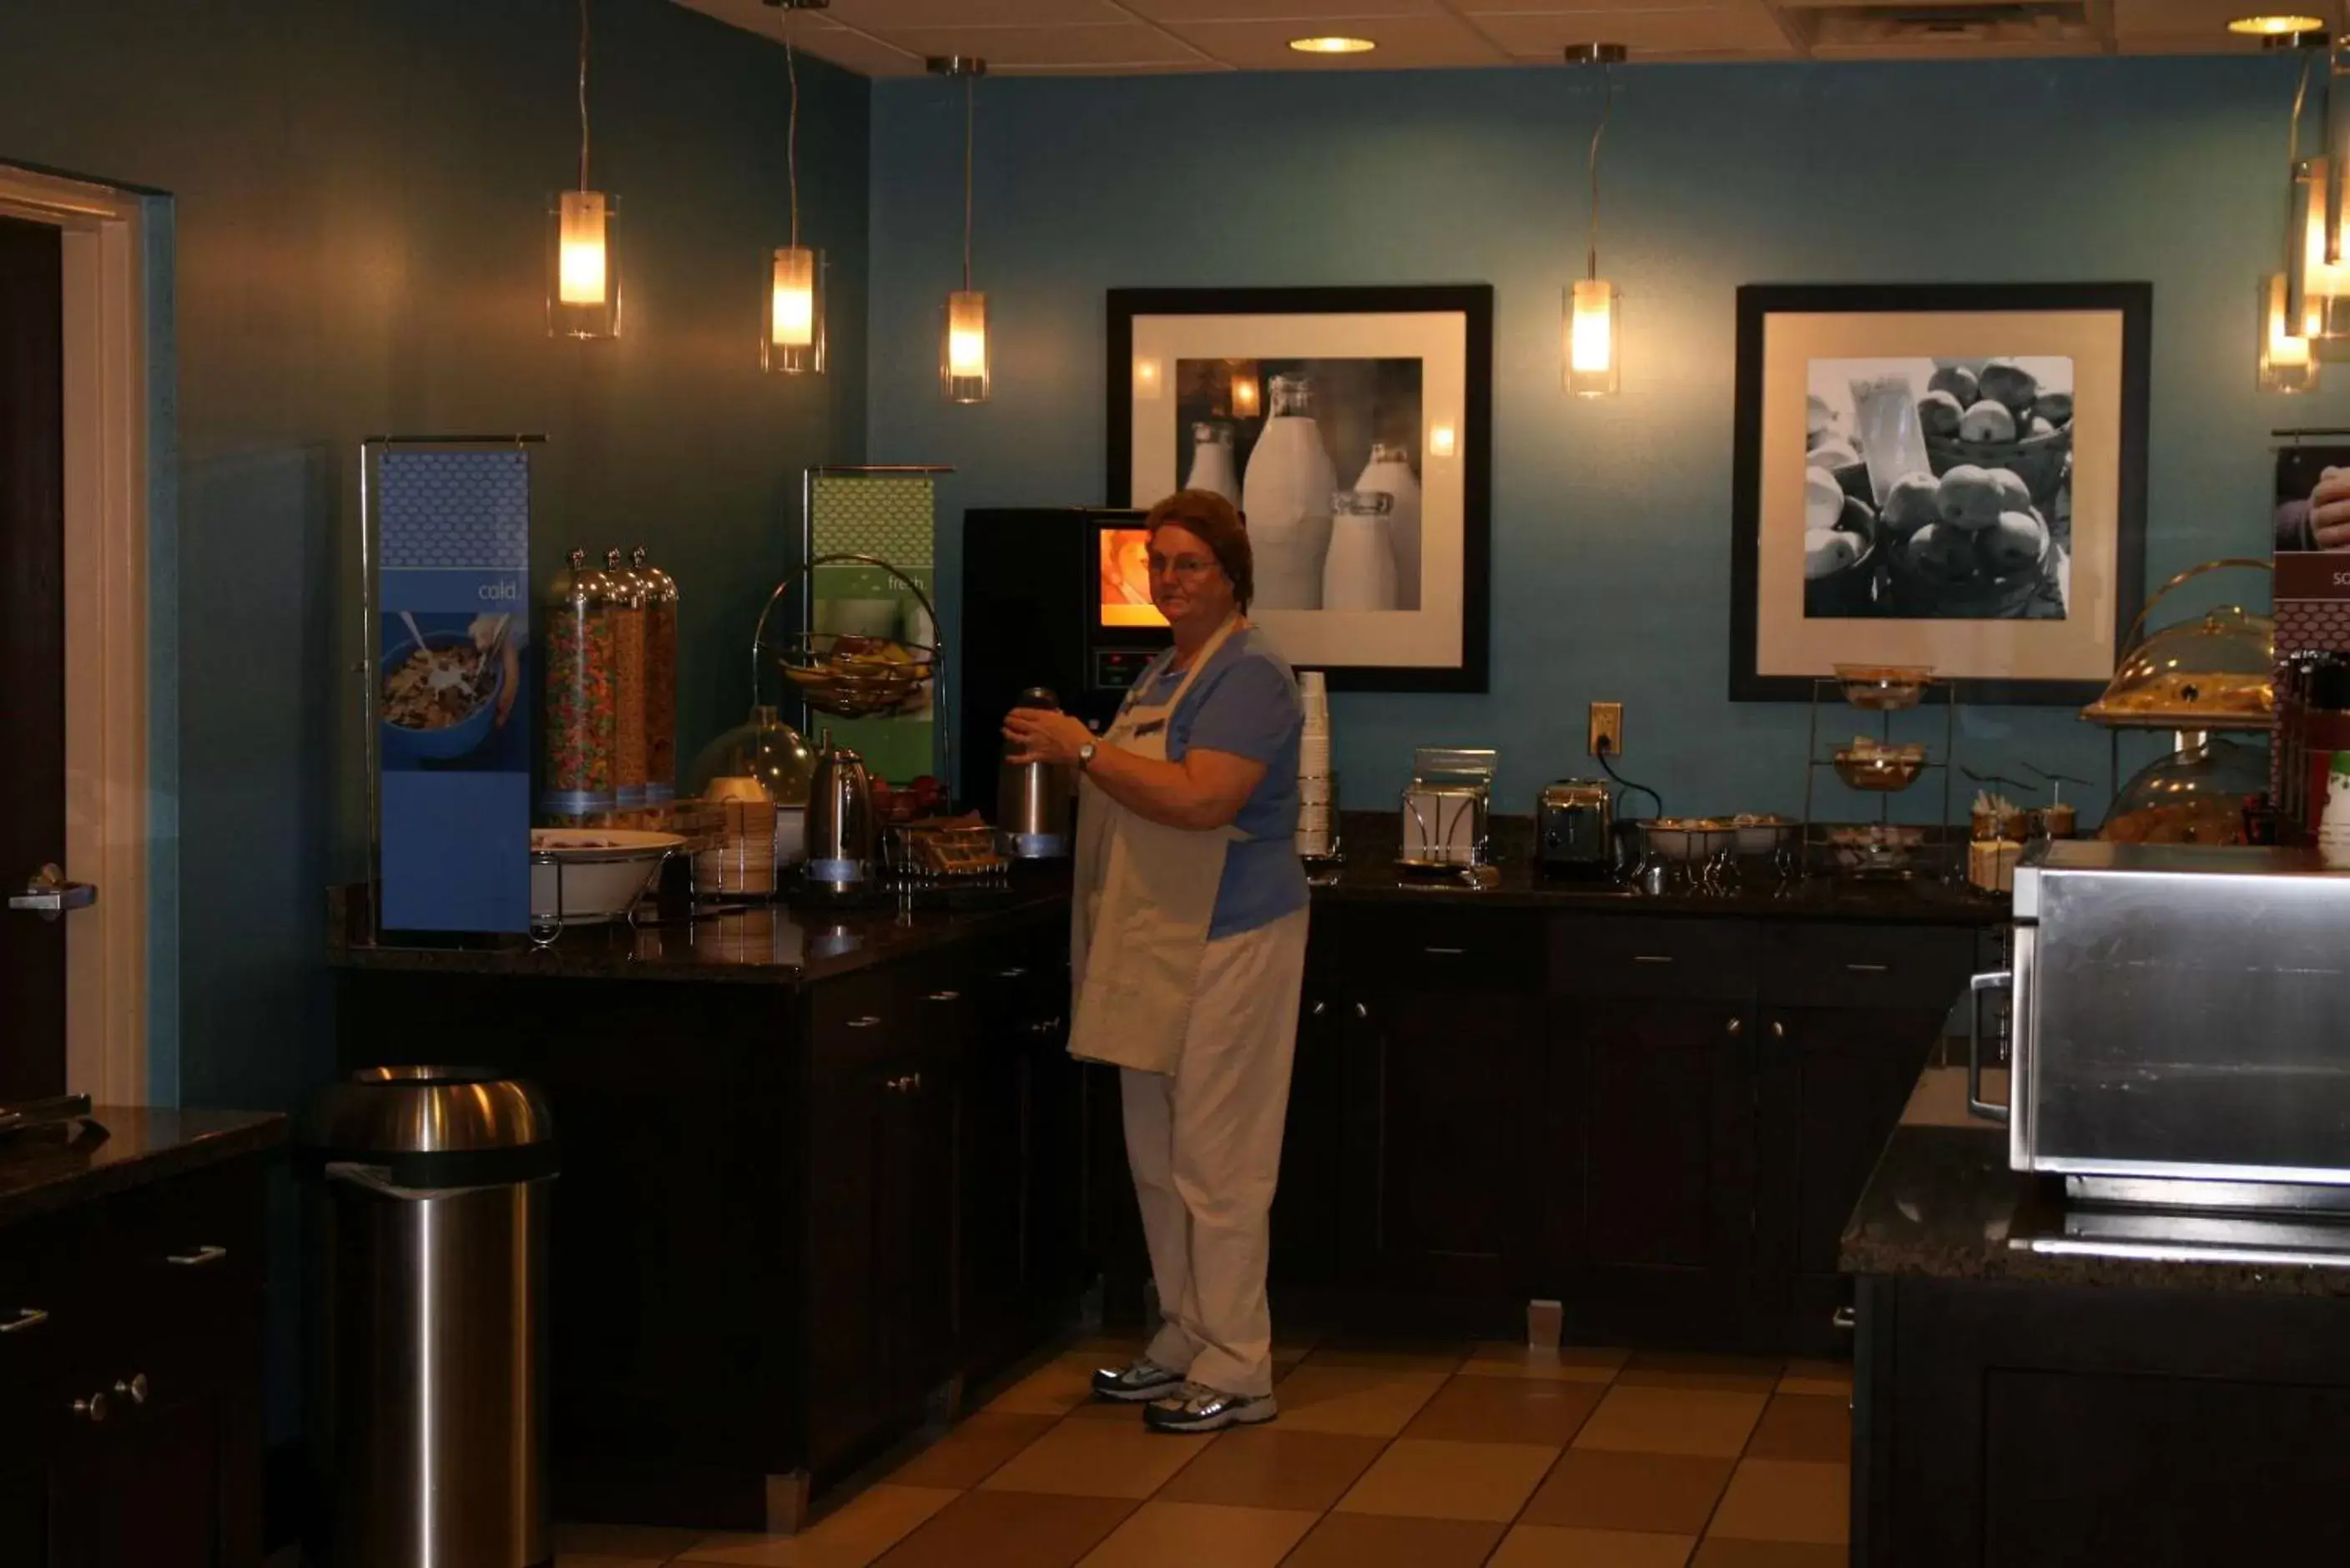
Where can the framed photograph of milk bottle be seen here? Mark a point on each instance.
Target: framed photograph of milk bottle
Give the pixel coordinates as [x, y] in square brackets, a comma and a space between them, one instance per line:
[1950, 476]
[1352, 429]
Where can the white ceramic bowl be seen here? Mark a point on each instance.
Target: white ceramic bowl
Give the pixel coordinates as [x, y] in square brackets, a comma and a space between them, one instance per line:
[601, 872]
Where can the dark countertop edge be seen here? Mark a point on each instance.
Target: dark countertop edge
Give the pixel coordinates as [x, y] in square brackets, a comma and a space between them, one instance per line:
[146, 1144]
[1966, 1169]
[1380, 884]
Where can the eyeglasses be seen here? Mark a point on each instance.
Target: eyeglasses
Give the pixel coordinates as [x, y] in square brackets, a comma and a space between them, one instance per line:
[1189, 566]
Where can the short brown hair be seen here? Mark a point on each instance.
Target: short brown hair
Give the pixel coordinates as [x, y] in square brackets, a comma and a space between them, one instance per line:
[1219, 527]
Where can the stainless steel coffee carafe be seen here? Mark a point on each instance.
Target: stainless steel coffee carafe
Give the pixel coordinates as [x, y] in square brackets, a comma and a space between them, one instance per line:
[841, 821]
[1035, 801]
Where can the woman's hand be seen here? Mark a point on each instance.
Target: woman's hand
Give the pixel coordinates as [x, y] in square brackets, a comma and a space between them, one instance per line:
[1042, 735]
[2329, 510]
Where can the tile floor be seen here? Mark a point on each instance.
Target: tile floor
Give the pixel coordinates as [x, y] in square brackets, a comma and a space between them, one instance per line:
[1386, 1455]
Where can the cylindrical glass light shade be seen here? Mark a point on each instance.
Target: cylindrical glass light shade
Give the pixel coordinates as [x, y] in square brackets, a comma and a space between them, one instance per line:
[2286, 363]
[1593, 359]
[2324, 285]
[793, 344]
[963, 356]
[584, 297]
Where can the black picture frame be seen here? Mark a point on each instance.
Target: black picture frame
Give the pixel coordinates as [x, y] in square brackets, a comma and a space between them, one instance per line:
[1757, 302]
[1474, 303]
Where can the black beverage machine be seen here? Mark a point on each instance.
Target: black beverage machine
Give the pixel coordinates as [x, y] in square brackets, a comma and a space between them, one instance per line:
[1052, 596]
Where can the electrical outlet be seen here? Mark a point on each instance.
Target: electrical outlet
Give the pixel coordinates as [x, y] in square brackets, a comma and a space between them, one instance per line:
[1608, 727]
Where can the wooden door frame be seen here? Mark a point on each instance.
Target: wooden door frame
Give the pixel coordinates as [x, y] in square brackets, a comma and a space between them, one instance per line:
[108, 833]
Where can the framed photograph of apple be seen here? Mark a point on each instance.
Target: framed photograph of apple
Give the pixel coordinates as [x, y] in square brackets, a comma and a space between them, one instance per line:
[1351, 427]
[1950, 475]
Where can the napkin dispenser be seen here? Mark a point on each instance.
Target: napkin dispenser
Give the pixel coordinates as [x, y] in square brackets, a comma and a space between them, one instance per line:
[1446, 807]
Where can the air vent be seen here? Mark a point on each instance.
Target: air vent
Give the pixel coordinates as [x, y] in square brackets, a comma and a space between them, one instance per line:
[2042, 22]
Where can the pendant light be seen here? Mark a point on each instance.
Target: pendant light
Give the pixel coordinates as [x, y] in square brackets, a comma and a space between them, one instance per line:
[963, 350]
[583, 298]
[793, 344]
[2311, 309]
[1592, 348]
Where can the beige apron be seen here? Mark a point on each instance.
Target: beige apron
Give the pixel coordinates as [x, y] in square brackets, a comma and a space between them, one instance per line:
[1144, 895]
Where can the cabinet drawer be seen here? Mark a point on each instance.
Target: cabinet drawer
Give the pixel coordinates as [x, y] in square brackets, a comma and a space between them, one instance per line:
[1910, 968]
[862, 1021]
[1648, 956]
[1451, 950]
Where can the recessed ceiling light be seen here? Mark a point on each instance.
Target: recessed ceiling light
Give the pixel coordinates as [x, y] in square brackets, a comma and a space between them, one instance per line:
[2275, 26]
[1333, 45]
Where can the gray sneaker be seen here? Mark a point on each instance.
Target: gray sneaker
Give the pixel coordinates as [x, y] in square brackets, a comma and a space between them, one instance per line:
[1195, 1407]
[1141, 1379]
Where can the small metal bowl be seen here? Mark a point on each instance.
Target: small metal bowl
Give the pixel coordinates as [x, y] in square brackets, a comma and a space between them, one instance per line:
[1883, 771]
[1884, 688]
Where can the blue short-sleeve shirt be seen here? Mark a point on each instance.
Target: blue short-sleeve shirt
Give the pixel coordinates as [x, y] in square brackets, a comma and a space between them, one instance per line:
[1245, 702]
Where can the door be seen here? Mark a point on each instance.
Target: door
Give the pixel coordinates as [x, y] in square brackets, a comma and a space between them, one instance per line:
[1452, 1191]
[1317, 1205]
[1661, 1093]
[1833, 1082]
[849, 1328]
[32, 649]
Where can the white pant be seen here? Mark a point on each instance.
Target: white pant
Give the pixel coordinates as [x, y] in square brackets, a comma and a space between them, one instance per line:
[1205, 1147]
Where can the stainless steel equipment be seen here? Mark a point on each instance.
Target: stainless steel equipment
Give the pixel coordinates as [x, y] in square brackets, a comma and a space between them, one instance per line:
[841, 821]
[1035, 801]
[1445, 809]
[1575, 829]
[432, 1213]
[2178, 1013]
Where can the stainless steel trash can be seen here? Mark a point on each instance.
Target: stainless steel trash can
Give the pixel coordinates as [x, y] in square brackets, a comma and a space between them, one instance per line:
[428, 1415]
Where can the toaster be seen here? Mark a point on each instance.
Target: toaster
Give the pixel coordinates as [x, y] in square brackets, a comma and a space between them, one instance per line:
[1574, 829]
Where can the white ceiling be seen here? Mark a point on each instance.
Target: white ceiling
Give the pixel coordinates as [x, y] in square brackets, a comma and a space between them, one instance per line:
[1107, 37]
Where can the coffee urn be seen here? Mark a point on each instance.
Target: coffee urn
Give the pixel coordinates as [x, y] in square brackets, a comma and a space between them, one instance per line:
[1035, 801]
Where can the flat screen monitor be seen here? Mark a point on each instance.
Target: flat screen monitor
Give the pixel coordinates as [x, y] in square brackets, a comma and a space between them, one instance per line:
[1123, 596]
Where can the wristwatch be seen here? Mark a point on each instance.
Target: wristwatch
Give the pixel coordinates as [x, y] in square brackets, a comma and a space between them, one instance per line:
[1086, 755]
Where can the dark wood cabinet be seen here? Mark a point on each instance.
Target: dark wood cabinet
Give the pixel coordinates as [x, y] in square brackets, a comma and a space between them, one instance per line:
[1656, 1098]
[131, 1393]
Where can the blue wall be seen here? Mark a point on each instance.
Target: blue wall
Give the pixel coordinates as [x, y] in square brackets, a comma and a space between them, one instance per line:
[1610, 519]
[358, 193]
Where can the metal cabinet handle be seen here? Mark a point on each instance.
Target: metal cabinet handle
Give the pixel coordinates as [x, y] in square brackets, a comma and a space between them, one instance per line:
[1738, 1026]
[47, 894]
[1445, 952]
[1016, 973]
[1778, 1029]
[1362, 1013]
[92, 1409]
[135, 1390]
[914, 1083]
[1319, 1009]
[1843, 1317]
[946, 996]
[1650, 958]
[197, 1259]
[866, 1022]
[1868, 968]
[27, 1317]
[1997, 979]
[1045, 1029]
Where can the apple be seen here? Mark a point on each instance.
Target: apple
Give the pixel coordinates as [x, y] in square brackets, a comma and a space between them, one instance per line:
[2056, 408]
[1959, 382]
[2033, 427]
[2014, 494]
[1828, 551]
[1859, 518]
[1832, 455]
[1969, 497]
[1987, 422]
[2007, 383]
[1940, 413]
[1942, 551]
[1912, 503]
[2013, 544]
[1823, 498]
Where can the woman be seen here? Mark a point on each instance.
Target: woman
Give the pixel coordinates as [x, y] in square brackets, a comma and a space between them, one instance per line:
[1189, 947]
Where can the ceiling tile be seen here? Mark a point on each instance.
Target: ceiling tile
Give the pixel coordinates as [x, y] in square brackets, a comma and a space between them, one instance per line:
[1119, 45]
[1405, 43]
[1652, 29]
[898, 15]
[1278, 10]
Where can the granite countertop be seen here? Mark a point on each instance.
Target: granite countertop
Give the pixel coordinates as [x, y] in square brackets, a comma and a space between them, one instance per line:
[1944, 1205]
[1370, 874]
[775, 944]
[43, 1171]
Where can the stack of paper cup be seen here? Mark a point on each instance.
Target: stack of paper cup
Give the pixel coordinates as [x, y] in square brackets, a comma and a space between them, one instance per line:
[1317, 784]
